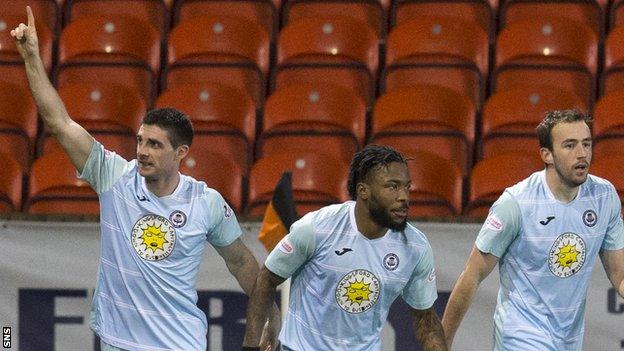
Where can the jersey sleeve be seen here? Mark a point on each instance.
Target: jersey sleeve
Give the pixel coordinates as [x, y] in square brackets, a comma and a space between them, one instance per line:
[103, 168]
[294, 249]
[614, 237]
[501, 226]
[223, 227]
[421, 291]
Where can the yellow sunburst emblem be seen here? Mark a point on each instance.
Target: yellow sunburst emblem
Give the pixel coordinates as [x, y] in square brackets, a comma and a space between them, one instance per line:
[154, 238]
[358, 291]
[567, 255]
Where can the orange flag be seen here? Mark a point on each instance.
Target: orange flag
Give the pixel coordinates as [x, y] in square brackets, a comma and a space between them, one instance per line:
[279, 214]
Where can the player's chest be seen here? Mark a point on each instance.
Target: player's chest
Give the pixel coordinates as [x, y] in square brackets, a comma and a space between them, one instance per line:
[560, 239]
[359, 270]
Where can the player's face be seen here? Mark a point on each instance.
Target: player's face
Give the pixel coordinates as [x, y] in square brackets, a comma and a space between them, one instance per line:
[571, 152]
[156, 156]
[389, 199]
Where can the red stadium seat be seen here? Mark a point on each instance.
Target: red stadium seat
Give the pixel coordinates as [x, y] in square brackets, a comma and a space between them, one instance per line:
[18, 123]
[436, 119]
[510, 117]
[436, 50]
[122, 50]
[55, 189]
[10, 184]
[611, 167]
[218, 171]
[608, 125]
[300, 118]
[263, 12]
[590, 13]
[104, 110]
[477, 12]
[340, 51]
[370, 12]
[219, 112]
[318, 179]
[547, 51]
[613, 73]
[492, 175]
[153, 12]
[437, 183]
[230, 50]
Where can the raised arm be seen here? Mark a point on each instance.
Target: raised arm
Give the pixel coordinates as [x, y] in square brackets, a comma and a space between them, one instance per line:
[73, 138]
[257, 311]
[478, 267]
[428, 330]
[613, 262]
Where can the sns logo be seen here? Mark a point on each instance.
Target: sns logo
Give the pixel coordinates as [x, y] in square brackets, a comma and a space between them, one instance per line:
[6, 337]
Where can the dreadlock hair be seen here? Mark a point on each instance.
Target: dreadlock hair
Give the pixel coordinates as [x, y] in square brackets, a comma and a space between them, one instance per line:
[369, 158]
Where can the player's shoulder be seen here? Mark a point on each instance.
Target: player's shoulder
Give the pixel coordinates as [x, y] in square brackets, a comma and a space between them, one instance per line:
[415, 236]
[528, 185]
[598, 184]
[193, 188]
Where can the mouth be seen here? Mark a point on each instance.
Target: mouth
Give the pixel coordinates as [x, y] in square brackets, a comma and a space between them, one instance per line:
[581, 167]
[400, 212]
[145, 164]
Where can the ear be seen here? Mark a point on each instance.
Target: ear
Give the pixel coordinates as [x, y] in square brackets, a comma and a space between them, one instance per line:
[362, 190]
[547, 156]
[182, 151]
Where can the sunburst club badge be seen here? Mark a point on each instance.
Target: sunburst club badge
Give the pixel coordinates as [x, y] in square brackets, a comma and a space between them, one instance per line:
[567, 255]
[153, 237]
[358, 291]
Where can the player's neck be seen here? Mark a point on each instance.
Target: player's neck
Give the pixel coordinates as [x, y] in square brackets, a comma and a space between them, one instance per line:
[365, 224]
[561, 191]
[163, 186]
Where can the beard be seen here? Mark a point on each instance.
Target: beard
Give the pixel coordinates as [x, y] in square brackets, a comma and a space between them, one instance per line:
[568, 180]
[381, 217]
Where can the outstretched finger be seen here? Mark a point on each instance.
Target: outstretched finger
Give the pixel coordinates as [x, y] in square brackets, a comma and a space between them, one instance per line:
[31, 18]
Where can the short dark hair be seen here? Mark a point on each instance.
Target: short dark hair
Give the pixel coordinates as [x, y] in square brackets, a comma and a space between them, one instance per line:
[552, 118]
[177, 124]
[369, 158]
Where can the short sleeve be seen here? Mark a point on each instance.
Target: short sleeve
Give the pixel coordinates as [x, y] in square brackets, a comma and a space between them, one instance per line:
[421, 291]
[294, 249]
[614, 237]
[501, 227]
[223, 227]
[103, 168]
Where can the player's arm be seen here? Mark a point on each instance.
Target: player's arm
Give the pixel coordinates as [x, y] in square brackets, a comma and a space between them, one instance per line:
[478, 267]
[613, 262]
[428, 329]
[244, 267]
[258, 308]
[73, 138]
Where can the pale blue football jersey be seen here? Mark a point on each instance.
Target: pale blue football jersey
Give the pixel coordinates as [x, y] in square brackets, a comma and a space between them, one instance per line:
[151, 249]
[343, 283]
[547, 251]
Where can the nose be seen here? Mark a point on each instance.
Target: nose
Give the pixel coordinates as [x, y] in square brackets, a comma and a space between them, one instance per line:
[582, 151]
[141, 151]
[403, 194]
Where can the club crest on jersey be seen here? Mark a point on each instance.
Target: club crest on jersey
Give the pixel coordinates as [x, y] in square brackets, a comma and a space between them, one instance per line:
[358, 291]
[567, 255]
[391, 261]
[590, 218]
[153, 237]
[178, 218]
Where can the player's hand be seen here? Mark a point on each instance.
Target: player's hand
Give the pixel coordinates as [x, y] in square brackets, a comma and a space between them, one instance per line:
[268, 340]
[26, 37]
